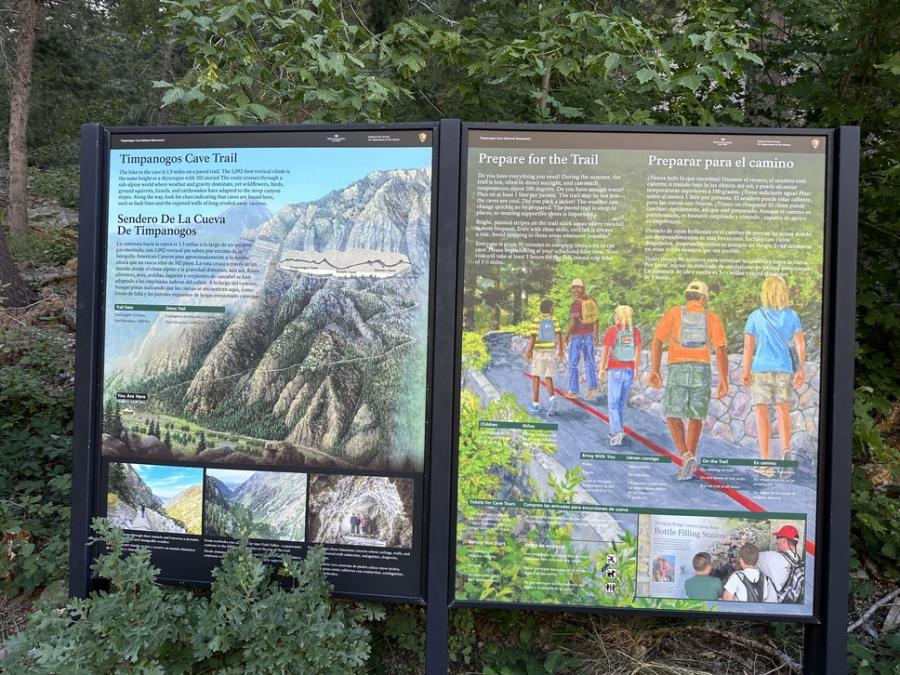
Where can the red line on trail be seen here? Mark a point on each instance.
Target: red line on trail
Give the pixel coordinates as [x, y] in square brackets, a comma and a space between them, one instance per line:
[741, 499]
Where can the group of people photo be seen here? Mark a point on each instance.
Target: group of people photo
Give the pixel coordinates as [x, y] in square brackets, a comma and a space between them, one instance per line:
[773, 358]
[756, 576]
[361, 523]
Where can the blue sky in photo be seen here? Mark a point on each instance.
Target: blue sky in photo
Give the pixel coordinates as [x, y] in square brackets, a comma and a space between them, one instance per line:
[167, 481]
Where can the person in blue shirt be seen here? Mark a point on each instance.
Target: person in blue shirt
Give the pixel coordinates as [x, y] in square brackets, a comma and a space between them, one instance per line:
[774, 355]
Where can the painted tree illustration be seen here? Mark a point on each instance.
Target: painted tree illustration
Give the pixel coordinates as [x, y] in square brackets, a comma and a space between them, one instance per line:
[201, 444]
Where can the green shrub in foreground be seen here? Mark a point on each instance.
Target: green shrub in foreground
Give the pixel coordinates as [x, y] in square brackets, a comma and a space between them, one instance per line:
[248, 623]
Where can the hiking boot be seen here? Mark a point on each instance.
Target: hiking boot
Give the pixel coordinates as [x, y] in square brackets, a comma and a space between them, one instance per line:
[554, 406]
[687, 467]
[616, 439]
[592, 394]
[786, 470]
[571, 395]
[534, 408]
[764, 471]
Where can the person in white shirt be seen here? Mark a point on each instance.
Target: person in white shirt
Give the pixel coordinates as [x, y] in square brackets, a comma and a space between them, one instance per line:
[784, 566]
[748, 584]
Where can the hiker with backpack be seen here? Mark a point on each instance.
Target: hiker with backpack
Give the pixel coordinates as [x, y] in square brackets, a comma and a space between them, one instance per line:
[689, 331]
[784, 566]
[581, 335]
[749, 584]
[620, 360]
[545, 348]
[774, 355]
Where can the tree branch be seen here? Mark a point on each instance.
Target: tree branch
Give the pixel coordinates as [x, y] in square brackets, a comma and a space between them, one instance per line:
[874, 608]
[448, 20]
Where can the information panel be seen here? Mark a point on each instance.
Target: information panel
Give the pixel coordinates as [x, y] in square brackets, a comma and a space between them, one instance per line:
[640, 380]
[265, 348]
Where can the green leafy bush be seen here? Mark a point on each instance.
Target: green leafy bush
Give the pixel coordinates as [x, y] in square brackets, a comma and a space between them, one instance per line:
[59, 184]
[247, 623]
[35, 479]
[474, 352]
[50, 246]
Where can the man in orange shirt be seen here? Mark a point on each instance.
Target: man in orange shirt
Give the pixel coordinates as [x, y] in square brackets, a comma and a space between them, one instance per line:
[689, 330]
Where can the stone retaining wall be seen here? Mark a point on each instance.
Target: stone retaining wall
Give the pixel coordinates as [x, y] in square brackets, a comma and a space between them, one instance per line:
[731, 419]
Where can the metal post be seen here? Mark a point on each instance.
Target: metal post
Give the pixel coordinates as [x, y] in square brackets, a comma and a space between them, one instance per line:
[84, 448]
[825, 648]
[437, 617]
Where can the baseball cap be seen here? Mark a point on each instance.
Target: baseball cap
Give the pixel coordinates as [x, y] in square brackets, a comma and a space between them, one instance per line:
[788, 532]
[697, 286]
[576, 282]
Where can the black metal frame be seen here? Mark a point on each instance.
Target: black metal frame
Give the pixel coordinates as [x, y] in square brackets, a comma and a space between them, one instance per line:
[833, 504]
[825, 631]
[87, 463]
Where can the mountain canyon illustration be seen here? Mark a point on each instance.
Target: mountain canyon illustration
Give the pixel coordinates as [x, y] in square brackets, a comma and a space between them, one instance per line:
[314, 354]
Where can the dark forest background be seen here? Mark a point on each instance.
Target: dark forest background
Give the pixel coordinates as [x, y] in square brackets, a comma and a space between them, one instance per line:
[815, 63]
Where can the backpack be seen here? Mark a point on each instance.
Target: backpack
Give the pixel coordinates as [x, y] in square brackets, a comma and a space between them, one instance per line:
[693, 329]
[546, 331]
[792, 591]
[756, 590]
[624, 350]
[589, 312]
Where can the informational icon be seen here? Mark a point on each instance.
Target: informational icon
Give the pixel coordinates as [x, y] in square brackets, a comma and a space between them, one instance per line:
[611, 573]
[612, 559]
[610, 588]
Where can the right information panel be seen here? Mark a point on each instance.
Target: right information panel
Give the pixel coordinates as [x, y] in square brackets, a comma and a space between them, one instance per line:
[639, 409]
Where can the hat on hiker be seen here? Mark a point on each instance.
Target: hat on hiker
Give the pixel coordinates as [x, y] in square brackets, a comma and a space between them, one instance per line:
[697, 287]
[788, 532]
[576, 282]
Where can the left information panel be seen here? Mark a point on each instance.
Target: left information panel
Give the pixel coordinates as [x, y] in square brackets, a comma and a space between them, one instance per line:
[265, 348]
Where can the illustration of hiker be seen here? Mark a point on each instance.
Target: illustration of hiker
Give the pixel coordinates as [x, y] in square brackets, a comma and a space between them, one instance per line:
[363, 523]
[581, 336]
[689, 330]
[143, 511]
[784, 566]
[748, 584]
[545, 348]
[620, 360]
[703, 585]
[354, 524]
[774, 355]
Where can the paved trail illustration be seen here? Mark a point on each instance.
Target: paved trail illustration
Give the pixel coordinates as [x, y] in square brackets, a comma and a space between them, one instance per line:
[583, 428]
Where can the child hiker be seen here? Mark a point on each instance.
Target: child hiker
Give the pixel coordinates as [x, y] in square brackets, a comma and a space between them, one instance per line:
[544, 349]
[620, 358]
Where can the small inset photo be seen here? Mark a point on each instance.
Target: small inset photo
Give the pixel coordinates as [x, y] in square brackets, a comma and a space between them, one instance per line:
[722, 559]
[272, 504]
[361, 510]
[155, 498]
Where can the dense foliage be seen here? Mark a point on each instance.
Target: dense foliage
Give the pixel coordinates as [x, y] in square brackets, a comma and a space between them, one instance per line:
[248, 623]
[782, 63]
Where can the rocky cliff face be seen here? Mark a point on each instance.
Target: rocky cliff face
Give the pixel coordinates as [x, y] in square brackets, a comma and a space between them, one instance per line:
[387, 502]
[132, 505]
[330, 364]
[130, 487]
[385, 211]
[278, 500]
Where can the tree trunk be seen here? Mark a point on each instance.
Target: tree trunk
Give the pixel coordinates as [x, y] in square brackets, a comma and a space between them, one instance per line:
[14, 292]
[19, 95]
